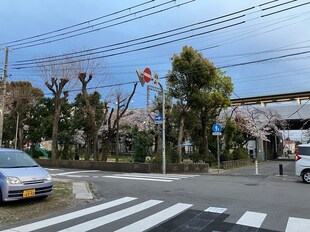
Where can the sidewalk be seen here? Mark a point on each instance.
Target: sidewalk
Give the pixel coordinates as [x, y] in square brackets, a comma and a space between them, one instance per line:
[264, 168]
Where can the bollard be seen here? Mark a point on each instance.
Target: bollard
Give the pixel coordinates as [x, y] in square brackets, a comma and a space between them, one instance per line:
[280, 169]
[256, 167]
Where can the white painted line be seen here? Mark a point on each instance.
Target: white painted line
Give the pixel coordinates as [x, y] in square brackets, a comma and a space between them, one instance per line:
[69, 173]
[159, 175]
[101, 221]
[148, 176]
[297, 225]
[53, 169]
[76, 176]
[215, 210]
[69, 216]
[155, 219]
[252, 219]
[134, 178]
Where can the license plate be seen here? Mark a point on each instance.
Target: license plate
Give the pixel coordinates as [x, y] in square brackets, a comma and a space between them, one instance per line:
[29, 193]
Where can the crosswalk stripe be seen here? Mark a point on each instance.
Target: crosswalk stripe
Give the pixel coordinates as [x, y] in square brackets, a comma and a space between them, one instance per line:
[215, 210]
[69, 216]
[252, 219]
[101, 221]
[155, 219]
[136, 178]
[297, 225]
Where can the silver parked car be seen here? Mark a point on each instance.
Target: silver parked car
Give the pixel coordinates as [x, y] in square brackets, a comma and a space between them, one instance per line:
[21, 177]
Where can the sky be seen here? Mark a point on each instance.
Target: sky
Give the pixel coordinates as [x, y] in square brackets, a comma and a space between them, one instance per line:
[263, 45]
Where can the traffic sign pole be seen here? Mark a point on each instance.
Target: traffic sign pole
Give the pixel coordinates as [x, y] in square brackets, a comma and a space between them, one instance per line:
[218, 153]
[164, 130]
[147, 76]
[217, 131]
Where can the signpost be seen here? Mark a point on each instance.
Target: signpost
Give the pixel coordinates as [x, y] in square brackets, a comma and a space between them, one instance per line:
[158, 119]
[217, 129]
[146, 76]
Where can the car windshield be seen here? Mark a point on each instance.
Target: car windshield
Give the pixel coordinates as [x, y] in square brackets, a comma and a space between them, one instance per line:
[16, 159]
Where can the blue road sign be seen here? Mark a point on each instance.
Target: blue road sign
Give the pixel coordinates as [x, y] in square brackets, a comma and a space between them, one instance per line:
[217, 127]
[158, 119]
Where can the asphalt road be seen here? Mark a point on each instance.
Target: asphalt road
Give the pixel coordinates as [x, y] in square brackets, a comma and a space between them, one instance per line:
[235, 200]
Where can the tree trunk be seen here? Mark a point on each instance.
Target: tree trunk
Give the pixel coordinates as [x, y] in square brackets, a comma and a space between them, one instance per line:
[55, 130]
[20, 138]
[117, 131]
[180, 138]
[205, 144]
[95, 145]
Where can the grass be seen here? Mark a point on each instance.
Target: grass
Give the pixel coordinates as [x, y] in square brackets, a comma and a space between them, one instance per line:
[61, 198]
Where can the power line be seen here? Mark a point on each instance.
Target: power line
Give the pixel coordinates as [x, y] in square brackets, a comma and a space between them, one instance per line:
[134, 44]
[105, 27]
[131, 45]
[78, 24]
[146, 37]
[18, 66]
[125, 42]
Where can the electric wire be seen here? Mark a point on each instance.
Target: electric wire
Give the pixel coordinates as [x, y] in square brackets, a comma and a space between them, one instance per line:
[78, 24]
[101, 28]
[236, 12]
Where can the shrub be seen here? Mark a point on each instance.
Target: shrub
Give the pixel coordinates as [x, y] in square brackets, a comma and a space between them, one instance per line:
[239, 153]
[141, 145]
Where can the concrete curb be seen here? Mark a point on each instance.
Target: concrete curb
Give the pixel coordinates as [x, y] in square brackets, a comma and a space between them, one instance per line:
[81, 191]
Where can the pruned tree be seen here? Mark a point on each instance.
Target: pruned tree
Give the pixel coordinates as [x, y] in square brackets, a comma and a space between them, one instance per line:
[95, 117]
[57, 77]
[121, 106]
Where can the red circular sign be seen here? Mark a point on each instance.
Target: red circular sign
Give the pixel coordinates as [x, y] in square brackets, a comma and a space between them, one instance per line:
[147, 75]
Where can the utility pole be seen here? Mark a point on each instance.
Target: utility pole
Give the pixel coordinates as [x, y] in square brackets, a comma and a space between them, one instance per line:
[3, 93]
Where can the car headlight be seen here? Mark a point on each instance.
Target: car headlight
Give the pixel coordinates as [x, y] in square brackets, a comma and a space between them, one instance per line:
[13, 180]
[48, 177]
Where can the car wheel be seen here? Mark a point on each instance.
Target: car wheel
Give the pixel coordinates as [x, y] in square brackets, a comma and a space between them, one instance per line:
[306, 177]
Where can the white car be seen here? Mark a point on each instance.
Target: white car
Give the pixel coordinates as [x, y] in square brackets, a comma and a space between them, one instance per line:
[302, 164]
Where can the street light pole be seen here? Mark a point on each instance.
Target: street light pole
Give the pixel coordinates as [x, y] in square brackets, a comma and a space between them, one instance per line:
[3, 93]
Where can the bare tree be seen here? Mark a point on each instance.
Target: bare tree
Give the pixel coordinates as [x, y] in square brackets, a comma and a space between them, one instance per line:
[57, 76]
[90, 110]
[121, 108]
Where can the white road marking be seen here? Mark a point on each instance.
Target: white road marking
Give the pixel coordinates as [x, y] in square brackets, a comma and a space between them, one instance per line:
[215, 210]
[136, 178]
[69, 216]
[53, 169]
[148, 176]
[252, 219]
[69, 173]
[92, 224]
[298, 225]
[155, 219]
